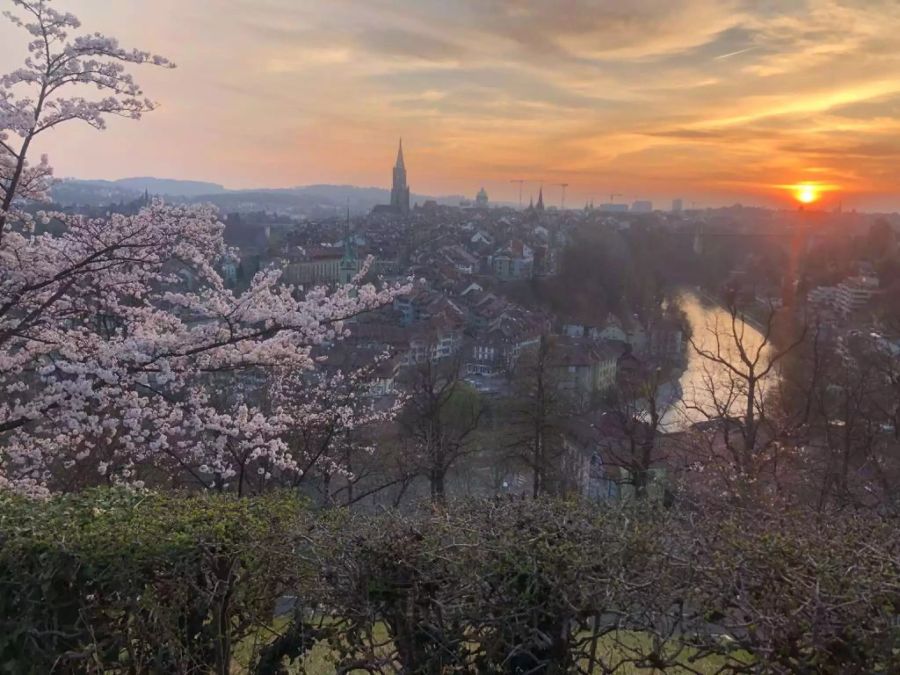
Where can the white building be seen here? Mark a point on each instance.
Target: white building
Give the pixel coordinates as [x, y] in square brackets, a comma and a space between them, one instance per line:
[855, 293]
[848, 297]
[822, 296]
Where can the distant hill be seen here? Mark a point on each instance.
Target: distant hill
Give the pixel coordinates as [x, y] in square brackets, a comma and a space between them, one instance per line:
[171, 187]
[70, 192]
[308, 201]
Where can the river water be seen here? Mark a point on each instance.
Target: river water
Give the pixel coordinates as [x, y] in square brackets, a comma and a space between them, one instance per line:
[692, 394]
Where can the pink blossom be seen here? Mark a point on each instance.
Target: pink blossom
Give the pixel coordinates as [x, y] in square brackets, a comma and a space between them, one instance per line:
[106, 359]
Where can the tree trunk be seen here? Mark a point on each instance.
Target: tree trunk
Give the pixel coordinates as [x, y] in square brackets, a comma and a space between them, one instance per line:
[438, 484]
[20, 167]
[750, 425]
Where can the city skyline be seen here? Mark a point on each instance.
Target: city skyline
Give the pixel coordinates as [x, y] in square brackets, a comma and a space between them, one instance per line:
[715, 103]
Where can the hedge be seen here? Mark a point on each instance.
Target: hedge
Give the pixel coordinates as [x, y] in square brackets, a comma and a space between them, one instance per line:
[114, 581]
[111, 580]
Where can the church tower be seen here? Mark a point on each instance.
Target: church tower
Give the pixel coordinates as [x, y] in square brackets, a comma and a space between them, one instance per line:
[349, 265]
[399, 189]
[540, 202]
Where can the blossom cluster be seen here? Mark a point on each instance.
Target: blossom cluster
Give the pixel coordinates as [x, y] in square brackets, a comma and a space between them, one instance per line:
[117, 334]
[122, 352]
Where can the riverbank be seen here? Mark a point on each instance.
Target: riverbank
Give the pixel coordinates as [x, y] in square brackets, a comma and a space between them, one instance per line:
[747, 314]
[691, 393]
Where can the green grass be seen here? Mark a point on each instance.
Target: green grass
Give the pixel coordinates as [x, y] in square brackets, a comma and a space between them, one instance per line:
[617, 650]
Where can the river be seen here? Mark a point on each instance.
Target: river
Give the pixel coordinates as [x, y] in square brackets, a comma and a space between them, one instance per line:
[692, 394]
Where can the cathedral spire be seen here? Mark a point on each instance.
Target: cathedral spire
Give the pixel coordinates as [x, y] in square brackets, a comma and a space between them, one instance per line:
[540, 202]
[400, 164]
[400, 190]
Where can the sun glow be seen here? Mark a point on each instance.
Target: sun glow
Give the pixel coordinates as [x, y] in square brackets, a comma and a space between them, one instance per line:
[806, 193]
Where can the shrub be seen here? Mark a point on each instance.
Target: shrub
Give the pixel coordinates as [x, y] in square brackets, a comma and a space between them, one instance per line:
[115, 581]
[804, 592]
[111, 580]
[534, 586]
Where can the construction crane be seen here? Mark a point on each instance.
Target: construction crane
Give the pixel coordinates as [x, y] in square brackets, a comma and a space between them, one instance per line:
[612, 197]
[521, 182]
[562, 201]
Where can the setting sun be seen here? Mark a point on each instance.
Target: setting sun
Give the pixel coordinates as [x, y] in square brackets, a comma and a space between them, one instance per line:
[806, 193]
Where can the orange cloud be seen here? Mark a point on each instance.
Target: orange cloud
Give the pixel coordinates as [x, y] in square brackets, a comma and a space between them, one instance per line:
[709, 100]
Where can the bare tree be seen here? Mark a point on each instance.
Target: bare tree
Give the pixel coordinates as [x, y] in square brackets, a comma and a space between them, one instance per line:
[733, 397]
[536, 416]
[440, 416]
[853, 438]
[638, 419]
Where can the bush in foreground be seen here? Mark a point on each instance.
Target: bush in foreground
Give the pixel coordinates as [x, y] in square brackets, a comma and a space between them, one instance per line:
[111, 581]
[114, 581]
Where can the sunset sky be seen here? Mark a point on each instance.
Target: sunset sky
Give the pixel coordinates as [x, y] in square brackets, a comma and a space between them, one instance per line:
[713, 101]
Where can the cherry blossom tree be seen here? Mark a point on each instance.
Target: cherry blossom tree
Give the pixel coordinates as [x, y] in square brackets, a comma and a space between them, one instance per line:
[283, 427]
[116, 334]
[45, 92]
[104, 355]
[331, 420]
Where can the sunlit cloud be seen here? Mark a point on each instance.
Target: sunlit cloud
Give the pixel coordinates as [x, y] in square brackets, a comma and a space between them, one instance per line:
[305, 59]
[710, 100]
